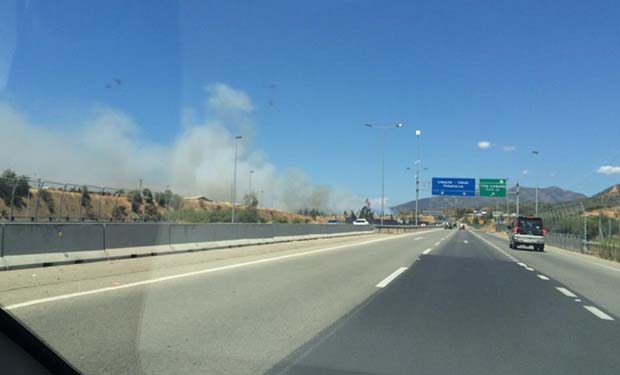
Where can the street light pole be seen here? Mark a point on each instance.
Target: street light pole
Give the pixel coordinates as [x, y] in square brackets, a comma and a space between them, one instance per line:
[517, 201]
[418, 133]
[234, 194]
[536, 152]
[430, 197]
[251, 173]
[383, 129]
[382, 174]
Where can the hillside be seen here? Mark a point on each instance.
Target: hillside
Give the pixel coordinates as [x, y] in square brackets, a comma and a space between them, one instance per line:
[527, 195]
[119, 208]
[612, 192]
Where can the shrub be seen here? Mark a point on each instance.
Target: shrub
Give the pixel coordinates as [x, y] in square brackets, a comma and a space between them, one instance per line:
[85, 201]
[46, 196]
[9, 181]
[148, 195]
[136, 200]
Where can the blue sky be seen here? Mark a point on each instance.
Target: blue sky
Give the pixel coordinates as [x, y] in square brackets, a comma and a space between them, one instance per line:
[520, 75]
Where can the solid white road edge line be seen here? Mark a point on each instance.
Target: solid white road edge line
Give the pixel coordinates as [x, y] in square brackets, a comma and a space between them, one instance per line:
[418, 238]
[392, 276]
[193, 273]
[566, 292]
[492, 245]
[594, 310]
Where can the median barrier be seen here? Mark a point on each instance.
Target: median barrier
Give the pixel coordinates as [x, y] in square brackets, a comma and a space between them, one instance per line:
[2, 263]
[40, 244]
[35, 244]
[190, 237]
[123, 240]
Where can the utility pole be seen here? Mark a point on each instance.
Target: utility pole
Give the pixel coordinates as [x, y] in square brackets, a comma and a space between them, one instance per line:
[517, 199]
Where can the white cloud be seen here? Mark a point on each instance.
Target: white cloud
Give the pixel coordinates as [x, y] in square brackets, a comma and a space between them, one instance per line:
[109, 149]
[225, 99]
[525, 171]
[509, 148]
[609, 169]
[484, 145]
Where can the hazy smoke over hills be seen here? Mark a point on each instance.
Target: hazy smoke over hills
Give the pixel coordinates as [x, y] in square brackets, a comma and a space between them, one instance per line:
[110, 149]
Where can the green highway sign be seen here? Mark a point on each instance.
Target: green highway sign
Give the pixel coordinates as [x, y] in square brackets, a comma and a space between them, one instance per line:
[492, 187]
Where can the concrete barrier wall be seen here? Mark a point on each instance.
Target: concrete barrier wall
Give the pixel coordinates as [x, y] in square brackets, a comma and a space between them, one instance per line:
[51, 243]
[23, 244]
[134, 235]
[44, 238]
[187, 233]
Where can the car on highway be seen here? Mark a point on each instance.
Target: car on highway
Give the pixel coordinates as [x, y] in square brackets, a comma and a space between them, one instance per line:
[462, 227]
[361, 222]
[527, 231]
[333, 221]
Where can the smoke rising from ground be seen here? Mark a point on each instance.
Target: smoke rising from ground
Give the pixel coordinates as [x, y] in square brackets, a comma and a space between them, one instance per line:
[110, 149]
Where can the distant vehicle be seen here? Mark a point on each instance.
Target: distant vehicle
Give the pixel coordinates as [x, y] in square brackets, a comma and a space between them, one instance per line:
[360, 222]
[462, 227]
[527, 231]
[448, 225]
[333, 221]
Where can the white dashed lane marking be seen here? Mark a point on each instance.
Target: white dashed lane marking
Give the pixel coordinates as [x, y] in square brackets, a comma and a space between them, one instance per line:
[389, 279]
[566, 292]
[595, 310]
[427, 251]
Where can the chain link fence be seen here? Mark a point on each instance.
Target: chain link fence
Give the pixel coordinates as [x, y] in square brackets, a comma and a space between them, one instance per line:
[590, 226]
[26, 199]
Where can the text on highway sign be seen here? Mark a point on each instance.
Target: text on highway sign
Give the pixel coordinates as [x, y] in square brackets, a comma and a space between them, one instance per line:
[492, 187]
[464, 187]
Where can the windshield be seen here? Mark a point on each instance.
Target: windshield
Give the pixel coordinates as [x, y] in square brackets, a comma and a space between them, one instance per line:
[171, 173]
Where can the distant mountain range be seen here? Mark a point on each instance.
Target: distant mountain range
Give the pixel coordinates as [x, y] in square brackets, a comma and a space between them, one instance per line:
[527, 195]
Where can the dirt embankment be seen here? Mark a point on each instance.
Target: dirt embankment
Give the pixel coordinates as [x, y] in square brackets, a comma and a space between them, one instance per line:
[55, 204]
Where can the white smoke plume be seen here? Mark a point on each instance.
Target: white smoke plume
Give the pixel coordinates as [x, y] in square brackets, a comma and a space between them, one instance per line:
[110, 149]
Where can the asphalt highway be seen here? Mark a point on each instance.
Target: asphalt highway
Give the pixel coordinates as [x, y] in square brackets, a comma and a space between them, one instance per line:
[438, 302]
